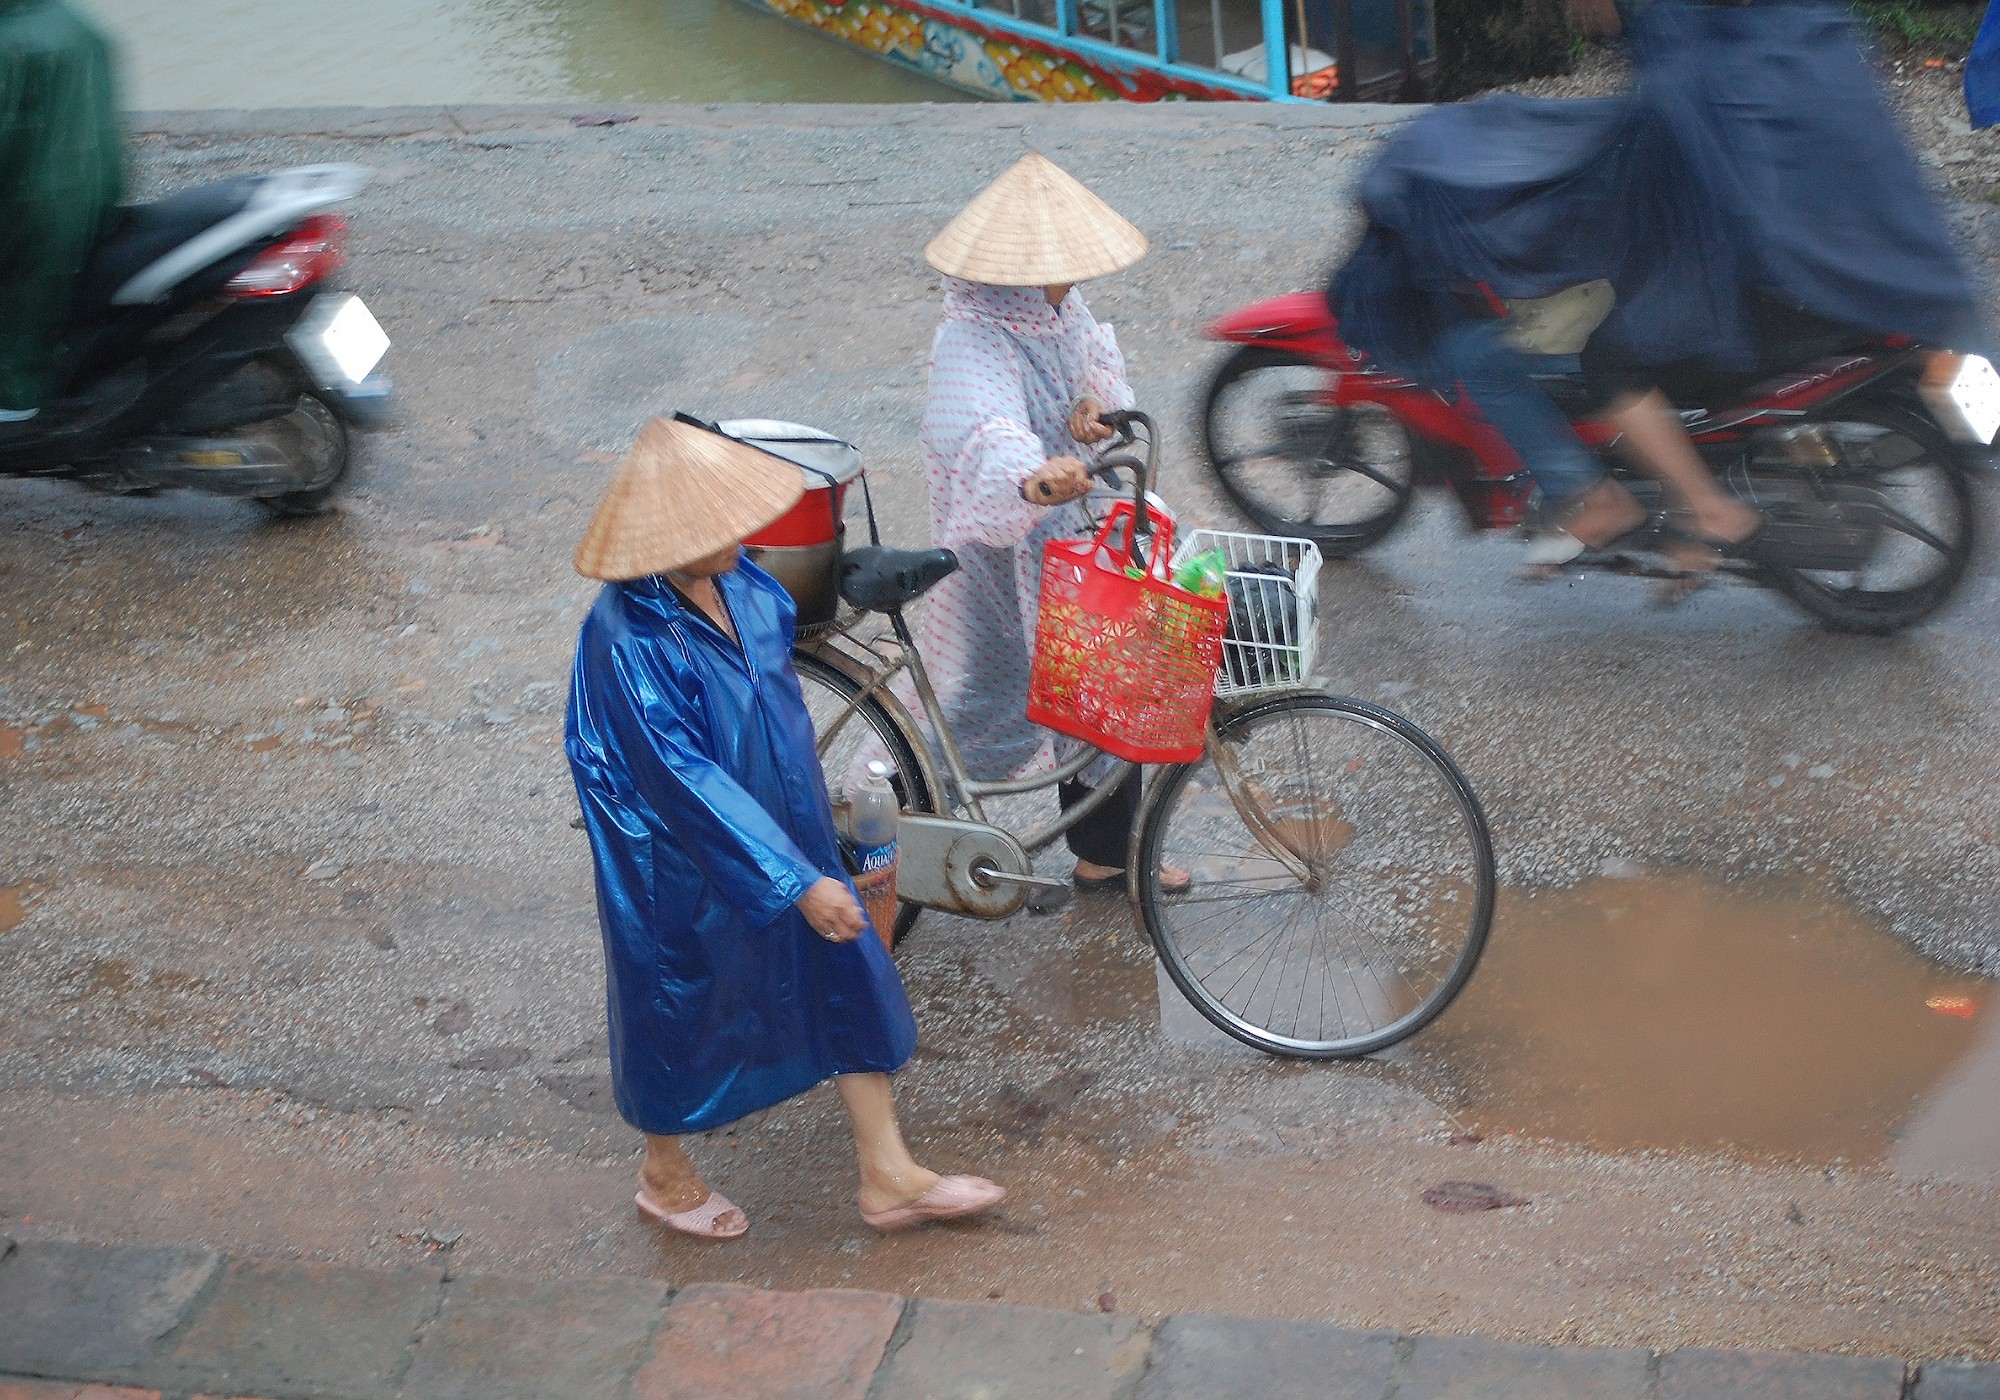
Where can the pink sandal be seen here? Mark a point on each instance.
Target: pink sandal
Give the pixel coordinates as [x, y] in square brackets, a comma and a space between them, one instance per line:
[699, 1221]
[953, 1198]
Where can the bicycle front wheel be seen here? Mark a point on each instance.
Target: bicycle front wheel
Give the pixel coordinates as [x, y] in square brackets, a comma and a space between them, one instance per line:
[1343, 877]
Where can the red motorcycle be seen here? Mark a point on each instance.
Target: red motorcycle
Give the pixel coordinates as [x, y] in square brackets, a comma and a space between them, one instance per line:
[1868, 506]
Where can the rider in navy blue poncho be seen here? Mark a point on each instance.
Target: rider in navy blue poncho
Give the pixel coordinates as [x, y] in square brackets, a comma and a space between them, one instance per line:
[740, 968]
[1752, 158]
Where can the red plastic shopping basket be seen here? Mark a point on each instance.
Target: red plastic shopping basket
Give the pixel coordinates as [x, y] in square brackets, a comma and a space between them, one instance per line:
[1122, 662]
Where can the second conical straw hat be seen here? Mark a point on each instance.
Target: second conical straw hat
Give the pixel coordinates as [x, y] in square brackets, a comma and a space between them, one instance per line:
[683, 493]
[1035, 226]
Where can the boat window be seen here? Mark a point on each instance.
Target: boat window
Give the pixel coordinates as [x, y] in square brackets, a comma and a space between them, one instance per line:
[1226, 35]
[1033, 11]
[1389, 45]
[1130, 24]
[1379, 39]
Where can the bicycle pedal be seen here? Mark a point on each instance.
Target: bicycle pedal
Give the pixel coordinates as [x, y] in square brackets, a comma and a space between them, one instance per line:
[1043, 901]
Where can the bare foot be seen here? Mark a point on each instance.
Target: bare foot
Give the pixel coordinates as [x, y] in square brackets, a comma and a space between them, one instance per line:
[675, 1195]
[1725, 525]
[1606, 511]
[886, 1193]
[669, 1177]
[1725, 518]
[949, 1198]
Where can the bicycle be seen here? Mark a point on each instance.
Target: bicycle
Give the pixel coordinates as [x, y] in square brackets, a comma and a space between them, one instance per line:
[1343, 868]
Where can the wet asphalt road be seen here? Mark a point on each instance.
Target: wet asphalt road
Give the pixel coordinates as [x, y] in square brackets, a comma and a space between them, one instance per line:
[307, 934]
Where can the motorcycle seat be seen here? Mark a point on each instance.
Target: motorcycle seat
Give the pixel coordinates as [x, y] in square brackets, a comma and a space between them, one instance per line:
[141, 234]
[877, 579]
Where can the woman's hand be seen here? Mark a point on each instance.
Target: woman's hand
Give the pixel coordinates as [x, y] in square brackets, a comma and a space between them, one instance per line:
[1058, 481]
[830, 907]
[1083, 424]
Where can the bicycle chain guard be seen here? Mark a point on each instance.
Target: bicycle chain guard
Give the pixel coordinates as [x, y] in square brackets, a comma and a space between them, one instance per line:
[941, 863]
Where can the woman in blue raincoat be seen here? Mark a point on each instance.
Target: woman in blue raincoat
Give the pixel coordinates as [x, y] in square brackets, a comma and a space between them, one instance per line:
[736, 969]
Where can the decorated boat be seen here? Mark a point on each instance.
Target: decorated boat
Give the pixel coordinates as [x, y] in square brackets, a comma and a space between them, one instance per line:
[1146, 50]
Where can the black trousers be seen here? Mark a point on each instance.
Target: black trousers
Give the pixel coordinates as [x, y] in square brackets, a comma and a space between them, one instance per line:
[1103, 837]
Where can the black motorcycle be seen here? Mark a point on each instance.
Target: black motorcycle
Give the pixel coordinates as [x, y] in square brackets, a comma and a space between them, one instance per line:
[206, 351]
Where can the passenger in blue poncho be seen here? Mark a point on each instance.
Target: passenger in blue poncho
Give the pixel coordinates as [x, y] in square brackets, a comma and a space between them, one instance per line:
[738, 974]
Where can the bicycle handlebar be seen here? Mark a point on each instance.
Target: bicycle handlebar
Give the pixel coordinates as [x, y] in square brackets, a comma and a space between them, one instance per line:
[1123, 422]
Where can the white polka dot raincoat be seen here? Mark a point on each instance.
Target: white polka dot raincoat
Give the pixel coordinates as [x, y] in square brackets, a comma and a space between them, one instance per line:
[1006, 369]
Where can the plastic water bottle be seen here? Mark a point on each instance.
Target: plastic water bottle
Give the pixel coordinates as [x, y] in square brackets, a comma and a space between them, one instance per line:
[871, 828]
[871, 820]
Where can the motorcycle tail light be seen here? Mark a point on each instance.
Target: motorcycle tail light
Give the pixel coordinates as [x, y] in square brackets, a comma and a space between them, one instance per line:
[310, 253]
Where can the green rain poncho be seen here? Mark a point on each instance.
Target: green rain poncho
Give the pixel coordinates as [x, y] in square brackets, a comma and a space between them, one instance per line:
[59, 179]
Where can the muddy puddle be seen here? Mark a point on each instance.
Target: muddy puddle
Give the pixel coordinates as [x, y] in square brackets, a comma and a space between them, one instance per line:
[14, 902]
[1672, 1011]
[1665, 1011]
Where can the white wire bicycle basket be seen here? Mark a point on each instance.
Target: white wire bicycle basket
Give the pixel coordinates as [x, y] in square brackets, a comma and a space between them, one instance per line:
[1273, 592]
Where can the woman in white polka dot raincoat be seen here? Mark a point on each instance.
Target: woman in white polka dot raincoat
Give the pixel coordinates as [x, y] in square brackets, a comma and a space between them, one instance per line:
[1019, 372]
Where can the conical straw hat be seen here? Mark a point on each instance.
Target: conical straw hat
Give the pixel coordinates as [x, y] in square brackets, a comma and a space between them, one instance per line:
[681, 494]
[1035, 226]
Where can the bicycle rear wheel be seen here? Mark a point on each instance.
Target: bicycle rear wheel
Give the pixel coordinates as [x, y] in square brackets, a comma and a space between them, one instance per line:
[1343, 877]
[848, 735]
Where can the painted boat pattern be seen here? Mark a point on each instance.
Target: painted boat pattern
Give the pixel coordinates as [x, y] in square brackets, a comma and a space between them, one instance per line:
[955, 46]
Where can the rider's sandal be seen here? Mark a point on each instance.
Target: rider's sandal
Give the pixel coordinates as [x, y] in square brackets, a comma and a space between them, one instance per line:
[702, 1221]
[1552, 549]
[1168, 885]
[1547, 552]
[952, 1198]
[1749, 549]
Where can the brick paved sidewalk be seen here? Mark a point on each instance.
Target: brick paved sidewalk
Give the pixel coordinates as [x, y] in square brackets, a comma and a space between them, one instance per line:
[79, 1322]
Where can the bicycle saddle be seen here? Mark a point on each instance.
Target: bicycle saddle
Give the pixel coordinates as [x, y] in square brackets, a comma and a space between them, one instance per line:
[876, 579]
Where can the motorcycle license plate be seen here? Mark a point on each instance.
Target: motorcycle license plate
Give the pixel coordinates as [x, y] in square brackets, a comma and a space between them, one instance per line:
[340, 340]
[1967, 406]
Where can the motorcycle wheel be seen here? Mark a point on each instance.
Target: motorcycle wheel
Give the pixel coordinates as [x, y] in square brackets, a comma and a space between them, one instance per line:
[313, 436]
[1930, 534]
[1340, 477]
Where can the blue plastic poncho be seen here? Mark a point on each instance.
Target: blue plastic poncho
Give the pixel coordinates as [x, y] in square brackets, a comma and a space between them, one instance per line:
[708, 818]
[1753, 157]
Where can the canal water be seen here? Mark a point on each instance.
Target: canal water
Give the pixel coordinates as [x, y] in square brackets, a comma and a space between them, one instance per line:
[309, 53]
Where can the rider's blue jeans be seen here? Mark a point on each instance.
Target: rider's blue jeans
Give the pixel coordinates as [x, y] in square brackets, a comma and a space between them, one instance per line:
[1500, 381]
